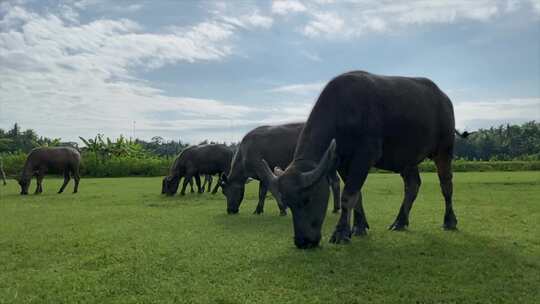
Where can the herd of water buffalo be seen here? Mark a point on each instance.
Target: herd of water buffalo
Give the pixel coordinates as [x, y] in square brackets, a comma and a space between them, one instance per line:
[360, 120]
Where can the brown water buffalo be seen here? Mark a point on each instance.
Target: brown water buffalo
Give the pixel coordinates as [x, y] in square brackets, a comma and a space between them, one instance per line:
[195, 161]
[40, 161]
[276, 144]
[361, 120]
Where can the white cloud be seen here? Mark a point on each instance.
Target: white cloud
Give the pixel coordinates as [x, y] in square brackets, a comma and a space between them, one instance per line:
[68, 79]
[300, 89]
[134, 7]
[486, 113]
[324, 23]
[251, 20]
[536, 5]
[512, 5]
[284, 7]
[331, 19]
[311, 56]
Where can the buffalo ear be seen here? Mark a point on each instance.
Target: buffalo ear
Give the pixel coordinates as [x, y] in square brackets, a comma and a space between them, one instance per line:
[325, 165]
[278, 171]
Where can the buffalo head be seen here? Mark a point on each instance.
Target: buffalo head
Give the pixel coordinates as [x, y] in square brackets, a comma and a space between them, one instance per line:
[170, 185]
[25, 184]
[303, 187]
[234, 192]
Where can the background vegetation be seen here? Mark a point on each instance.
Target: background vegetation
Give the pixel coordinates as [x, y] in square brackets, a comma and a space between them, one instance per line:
[504, 148]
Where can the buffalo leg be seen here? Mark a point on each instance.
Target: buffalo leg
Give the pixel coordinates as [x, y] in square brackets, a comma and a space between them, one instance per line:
[411, 181]
[39, 181]
[191, 185]
[76, 179]
[66, 181]
[444, 170]
[208, 178]
[187, 179]
[262, 196]
[360, 224]
[333, 180]
[356, 172]
[217, 184]
[198, 182]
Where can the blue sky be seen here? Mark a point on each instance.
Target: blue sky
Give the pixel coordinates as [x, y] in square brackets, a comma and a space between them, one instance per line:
[195, 70]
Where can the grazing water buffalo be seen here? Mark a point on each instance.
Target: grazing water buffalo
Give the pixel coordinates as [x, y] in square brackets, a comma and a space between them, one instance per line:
[276, 144]
[40, 161]
[362, 120]
[194, 161]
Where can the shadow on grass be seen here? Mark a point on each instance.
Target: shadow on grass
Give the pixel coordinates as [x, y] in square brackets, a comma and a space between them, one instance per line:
[422, 265]
[429, 266]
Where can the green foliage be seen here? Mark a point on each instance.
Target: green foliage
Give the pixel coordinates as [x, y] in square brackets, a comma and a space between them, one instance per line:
[106, 149]
[15, 140]
[158, 146]
[117, 166]
[13, 163]
[120, 241]
[510, 142]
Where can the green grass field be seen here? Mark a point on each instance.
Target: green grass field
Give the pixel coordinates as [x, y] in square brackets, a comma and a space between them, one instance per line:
[120, 241]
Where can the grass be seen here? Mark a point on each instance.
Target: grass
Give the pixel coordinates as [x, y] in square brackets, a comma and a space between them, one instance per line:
[120, 241]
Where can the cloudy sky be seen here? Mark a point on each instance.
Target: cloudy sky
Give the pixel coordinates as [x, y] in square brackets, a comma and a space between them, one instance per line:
[196, 70]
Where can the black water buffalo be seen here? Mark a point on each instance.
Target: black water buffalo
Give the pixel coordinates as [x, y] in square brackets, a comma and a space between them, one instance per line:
[362, 120]
[207, 183]
[195, 161]
[276, 144]
[40, 161]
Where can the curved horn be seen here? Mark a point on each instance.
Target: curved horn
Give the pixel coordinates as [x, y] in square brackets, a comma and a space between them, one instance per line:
[269, 176]
[327, 161]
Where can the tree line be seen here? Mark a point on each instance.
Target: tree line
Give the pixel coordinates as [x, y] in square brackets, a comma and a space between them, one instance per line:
[505, 142]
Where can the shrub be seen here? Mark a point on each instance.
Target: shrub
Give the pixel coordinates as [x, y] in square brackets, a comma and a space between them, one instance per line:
[119, 166]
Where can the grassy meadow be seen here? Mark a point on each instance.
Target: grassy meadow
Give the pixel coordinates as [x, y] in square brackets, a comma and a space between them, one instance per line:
[119, 241]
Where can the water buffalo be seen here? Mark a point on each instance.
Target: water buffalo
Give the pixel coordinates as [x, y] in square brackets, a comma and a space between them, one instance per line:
[2, 173]
[276, 144]
[194, 161]
[362, 120]
[40, 161]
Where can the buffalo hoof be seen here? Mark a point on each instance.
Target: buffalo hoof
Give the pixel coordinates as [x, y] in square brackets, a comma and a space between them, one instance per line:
[258, 211]
[396, 226]
[450, 226]
[450, 222]
[359, 231]
[282, 213]
[341, 236]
